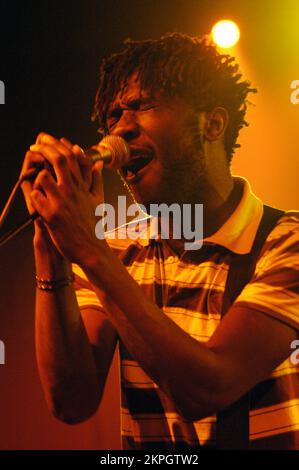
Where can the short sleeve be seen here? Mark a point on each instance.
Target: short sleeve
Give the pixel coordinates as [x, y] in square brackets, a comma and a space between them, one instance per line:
[86, 296]
[274, 287]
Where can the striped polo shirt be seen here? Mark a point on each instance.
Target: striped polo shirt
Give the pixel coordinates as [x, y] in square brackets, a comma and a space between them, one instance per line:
[189, 290]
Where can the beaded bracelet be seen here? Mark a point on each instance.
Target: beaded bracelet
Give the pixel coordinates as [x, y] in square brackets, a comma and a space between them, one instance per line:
[54, 284]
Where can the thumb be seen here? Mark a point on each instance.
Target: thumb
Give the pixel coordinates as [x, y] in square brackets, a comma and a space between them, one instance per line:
[97, 185]
[98, 166]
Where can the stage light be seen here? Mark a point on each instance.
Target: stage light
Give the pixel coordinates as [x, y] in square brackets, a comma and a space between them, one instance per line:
[225, 33]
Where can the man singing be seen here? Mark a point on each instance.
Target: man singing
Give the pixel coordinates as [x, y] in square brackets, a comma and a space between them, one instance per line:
[179, 105]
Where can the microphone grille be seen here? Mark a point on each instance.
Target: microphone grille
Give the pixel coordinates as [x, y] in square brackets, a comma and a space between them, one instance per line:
[120, 151]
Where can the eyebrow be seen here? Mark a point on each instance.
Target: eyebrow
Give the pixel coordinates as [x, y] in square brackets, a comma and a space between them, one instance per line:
[130, 102]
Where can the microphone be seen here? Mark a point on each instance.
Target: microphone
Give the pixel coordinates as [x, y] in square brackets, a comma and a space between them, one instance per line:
[113, 150]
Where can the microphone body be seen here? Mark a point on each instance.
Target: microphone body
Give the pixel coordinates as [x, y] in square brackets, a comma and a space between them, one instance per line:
[99, 154]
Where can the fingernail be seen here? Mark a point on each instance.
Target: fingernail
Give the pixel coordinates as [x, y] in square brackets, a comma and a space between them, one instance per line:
[48, 138]
[76, 146]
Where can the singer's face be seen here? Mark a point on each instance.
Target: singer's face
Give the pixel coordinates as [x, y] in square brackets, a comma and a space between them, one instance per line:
[166, 159]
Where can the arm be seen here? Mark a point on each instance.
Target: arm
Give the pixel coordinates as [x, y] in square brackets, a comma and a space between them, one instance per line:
[74, 351]
[244, 349]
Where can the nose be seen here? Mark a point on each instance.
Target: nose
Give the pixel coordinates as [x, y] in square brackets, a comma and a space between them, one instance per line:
[127, 126]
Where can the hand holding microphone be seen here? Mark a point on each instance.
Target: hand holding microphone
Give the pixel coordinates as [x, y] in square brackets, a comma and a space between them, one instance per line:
[63, 185]
[112, 150]
[62, 182]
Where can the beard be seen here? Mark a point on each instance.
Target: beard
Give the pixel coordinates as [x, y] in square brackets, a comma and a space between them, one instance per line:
[182, 173]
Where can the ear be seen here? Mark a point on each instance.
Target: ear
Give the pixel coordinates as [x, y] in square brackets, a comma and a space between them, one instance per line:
[213, 124]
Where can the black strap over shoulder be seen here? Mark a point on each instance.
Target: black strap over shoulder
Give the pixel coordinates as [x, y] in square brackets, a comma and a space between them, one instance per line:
[232, 431]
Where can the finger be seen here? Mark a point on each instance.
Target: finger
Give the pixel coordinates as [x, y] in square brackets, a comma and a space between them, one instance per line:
[58, 162]
[72, 159]
[63, 149]
[39, 203]
[85, 164]
[82, 158]
[48, 185]
[98, 166]
[97, 185]
[66, 142]
[33, 163]
[51, 198]
[32, 160]
[82, 162]
[41, 136]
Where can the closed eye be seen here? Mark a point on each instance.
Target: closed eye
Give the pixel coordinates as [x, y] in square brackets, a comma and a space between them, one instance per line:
[113, 116]
[135, 105]
[146, 107]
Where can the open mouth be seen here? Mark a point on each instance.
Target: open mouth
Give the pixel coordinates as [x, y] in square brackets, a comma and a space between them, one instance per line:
[134, 167]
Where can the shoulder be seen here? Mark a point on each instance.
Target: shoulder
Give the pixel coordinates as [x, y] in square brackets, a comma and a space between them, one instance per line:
[274, 287]
[284, 237]
[281, 248]
[288, 223]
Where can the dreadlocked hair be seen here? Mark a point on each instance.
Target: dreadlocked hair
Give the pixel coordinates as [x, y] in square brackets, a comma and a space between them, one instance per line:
[181, 66]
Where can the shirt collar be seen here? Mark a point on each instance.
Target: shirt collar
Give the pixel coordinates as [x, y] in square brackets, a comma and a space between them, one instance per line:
[239, 231]
[237, 234]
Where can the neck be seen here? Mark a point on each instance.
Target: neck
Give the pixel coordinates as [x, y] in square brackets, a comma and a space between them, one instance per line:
[219, 202]
[218, 209]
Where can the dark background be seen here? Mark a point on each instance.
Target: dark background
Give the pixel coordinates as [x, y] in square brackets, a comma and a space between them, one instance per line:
[50, 56]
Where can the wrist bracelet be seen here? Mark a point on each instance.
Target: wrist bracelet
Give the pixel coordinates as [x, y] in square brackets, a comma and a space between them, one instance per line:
[54, 284]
